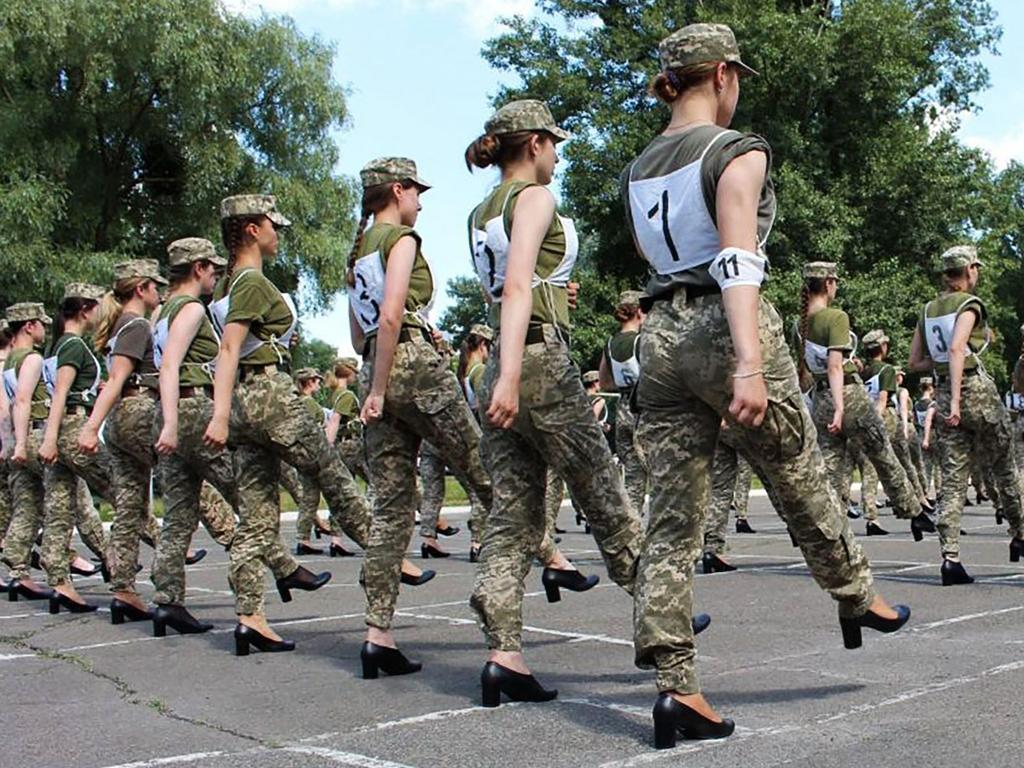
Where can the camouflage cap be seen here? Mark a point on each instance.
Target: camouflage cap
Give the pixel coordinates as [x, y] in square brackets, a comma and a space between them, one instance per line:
[148, 268]
[483, 331]
[388, 170]
[305, 374]
[591, 377]
[348, 362]
[926, 381]
[959, 256]
[873, 339]
[191, 249]
[253, 205]
[85, 291]
[821, 270]
[630, 298]
[701, 43]
[524, 115]
[25, 311]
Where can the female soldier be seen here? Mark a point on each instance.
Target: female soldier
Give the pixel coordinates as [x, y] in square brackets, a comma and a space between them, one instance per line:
[129, 396]
[72, 376]
[268, 421]
[700, 203]
[949, 339]
[924, 419]
[345, 433]
[6, 444]
[619, 370]
[23, 385]
[535, 412]
[843, 412]
[308, 381]
[411, 394]
[476, 349]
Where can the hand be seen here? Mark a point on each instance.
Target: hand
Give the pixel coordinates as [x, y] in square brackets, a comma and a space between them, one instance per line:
[216, 435]
[504, 403]
[20, 455]
[167, 443]
[572, 292]
[373, 408]
[437, 336]
[89, 439]
[836, 425]
[749, 400]
[953, 420]
[48, 452]
[926, 445]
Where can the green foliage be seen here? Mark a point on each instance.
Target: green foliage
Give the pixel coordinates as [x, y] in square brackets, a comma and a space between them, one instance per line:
[851, 97]
[124, 123]
[313, 353]
[468, 307]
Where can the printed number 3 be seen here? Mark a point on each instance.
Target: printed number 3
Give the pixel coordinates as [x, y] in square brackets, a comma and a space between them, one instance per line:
[726, 262]
[940, 342]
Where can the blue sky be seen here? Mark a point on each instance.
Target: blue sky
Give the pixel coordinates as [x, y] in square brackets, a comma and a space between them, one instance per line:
[418, 87]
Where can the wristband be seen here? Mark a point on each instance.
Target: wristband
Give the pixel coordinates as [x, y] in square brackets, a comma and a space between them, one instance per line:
[735, 266]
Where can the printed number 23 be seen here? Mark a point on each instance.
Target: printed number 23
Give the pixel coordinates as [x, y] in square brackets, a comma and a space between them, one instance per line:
[727, 262]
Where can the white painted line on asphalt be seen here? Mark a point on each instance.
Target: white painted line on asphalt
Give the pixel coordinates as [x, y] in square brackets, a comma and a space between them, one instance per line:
[343, 758]
[13, 656]
[965, 617]
[429, 717]
[192, 757]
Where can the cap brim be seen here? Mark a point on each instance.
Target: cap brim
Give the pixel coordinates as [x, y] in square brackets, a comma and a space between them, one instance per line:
[745, 69]
[558, 133]
[278, 219]
[159, 280]
[420, 183]
[217, 261]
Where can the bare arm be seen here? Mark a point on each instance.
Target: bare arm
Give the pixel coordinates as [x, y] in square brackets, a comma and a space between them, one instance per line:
[882, 402]
[904, 409]
[919, 360]
[835, 385]
[216, 435]
[120, 369]
[926, 442]
[179, 338]
[957, 356]
[58, 403]
[355, 331]
[331, 428]
[604, 374]
[28, 379]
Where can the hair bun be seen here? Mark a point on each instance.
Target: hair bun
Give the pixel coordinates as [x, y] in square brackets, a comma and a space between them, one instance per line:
[483, 152]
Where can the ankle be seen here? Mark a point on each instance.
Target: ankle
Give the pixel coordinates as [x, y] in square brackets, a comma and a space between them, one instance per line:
[381, 637]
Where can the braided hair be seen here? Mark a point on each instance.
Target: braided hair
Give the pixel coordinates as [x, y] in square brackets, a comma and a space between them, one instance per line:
[232, 233]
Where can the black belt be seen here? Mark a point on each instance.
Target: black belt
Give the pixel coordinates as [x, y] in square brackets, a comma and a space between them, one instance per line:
[246, 372]
[943, 378]
[406, 334]
[76, 410]
[535, 334]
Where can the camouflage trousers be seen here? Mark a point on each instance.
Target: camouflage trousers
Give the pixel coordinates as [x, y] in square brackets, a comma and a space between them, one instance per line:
[870, 436]
[353, 453]
[631, 458]
[901, 445]
[6, 505]
[271, 424]
[423, 401]
[87, 520]
[61, 485]
[917, 456]
[432, 480]
[129, 436]
[192, 472]
[26, 492]
[932, 460]
[554, 428]
[553, 494]
[984, 428]
[683, 394]
[305, 491]
[730, 481]
[1018, 446]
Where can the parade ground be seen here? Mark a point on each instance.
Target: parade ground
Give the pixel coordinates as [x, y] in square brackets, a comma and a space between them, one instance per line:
[946, 691]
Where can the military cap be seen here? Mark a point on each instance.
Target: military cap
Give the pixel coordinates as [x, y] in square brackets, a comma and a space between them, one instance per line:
[524, 115]
[147, 268]
[348, 362]
[821, 270]
[305, 374]
[389, 170]
[926, 381]
[701, 43]
[191, 249]
[591, 377]
[959, 256]
[253, 205]
[630, 298]
[83, 291]
[483, 331]
[25, 311]
[875, 338]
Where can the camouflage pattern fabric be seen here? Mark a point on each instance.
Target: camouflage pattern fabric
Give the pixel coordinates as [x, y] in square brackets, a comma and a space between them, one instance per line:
[389, 170]
[306, 494]
[270, 423]
[432, 494]
[683, 394]
[631, 458]
[985, 430]
[6, 505]
[724, 474]
[700, 43]
[26, 489]
[741, 492]
[423, 401]
[917, 457]
[88, 523]
[215, 513]
[554, 428]
[253, 205]
[901, 447]
[524, 115]
[553, 494]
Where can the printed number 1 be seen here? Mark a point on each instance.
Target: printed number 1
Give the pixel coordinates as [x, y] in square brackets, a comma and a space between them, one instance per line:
[940, 342]
[729, 261]
[663, 207]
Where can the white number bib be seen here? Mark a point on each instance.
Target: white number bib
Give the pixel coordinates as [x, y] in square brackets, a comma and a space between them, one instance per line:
[816, 358]
[11, 384]
[938, 333]
[366, 297]
[874, 387]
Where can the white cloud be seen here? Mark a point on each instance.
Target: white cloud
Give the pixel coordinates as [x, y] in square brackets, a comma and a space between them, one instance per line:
[1002, 148]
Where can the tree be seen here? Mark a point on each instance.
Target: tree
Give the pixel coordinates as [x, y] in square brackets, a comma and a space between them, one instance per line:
[124, 123]
[468, 307]
[850, 98]
[314, 353]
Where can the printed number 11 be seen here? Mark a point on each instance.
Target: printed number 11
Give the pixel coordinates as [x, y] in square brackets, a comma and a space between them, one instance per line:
[729, 261]
[663, 207]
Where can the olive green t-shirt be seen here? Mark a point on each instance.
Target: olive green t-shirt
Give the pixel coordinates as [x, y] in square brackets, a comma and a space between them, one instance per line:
[132, 337]
[622, 345]
[830, 328]
[203, 349]
[382, 237]
[886, 378]
[40, 406]
[665, 154]
[346, 405]
[959, 302]
[73, 352]
[314, 408]
[256, 300]
[550, 302]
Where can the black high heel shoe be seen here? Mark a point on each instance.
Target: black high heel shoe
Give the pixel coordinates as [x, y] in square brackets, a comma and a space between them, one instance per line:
[391, 661]
[1016, 549]
[416, 581]
[320, 530]
[700, 622]
[852, 627]
[178, 619]
[246, 637]
[954, 573]
[555, 580]
[496, 680]
[712, 563]
[73, 606]
[336, 550]
[427, 552]
[874, 529]
[81, 571]
[451, 530]
[120, 612]
[743, 526]
[302, 548]
[300, 578]
[920, 525]
[198, 555]
[672, 718]
[17, 589]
